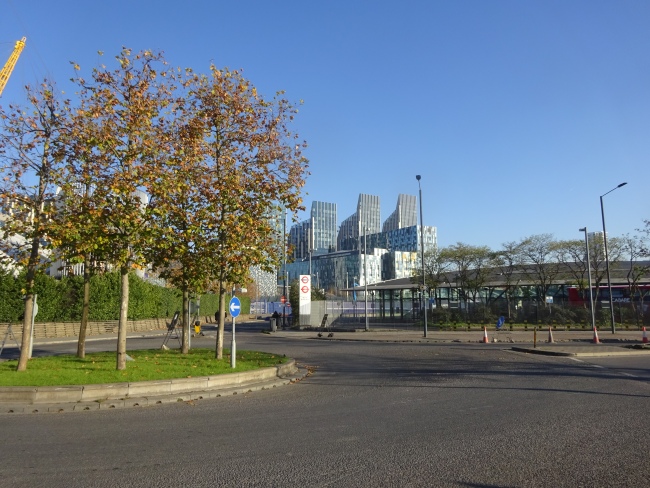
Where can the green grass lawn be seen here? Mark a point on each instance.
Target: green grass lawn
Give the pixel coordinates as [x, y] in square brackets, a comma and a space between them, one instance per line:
[148, 364]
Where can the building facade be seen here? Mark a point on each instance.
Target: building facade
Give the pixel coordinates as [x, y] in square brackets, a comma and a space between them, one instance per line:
[382, 256]
[366, 220]
[405, 214]
[364, 251]
[316, 235]
[324, 226]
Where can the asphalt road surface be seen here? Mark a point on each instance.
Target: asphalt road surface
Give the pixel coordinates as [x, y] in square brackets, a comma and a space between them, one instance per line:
[371, 414]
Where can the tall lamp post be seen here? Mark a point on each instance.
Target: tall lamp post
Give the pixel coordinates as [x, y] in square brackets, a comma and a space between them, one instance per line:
[365, 275]
[311, 244]
[591, 293]
[284, 269]
[609, 280]
[424, 282]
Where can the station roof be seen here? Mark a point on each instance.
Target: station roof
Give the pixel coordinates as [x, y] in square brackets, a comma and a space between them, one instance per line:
[495, 278]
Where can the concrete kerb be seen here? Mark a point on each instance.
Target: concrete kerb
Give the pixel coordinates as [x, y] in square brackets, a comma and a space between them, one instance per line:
[575, 343]
[145, 393]
[475, 336]
[583, 351]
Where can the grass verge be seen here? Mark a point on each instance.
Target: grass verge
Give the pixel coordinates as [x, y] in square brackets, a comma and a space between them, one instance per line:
[147, 365]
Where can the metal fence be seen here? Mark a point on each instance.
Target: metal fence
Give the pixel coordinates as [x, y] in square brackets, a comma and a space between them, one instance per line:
[352, 314]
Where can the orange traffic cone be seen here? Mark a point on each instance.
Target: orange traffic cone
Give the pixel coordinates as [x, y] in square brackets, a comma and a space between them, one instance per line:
[596, 341]
[485, 337]
[644, 339]
[550, 335]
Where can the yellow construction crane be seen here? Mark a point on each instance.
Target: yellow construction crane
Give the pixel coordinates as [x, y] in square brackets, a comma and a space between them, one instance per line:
[9, 65]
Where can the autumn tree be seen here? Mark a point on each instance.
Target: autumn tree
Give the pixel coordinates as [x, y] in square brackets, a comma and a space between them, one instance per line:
[253, 168]
[74, 225]
[182, 245]
[121, 117]
[32, 144]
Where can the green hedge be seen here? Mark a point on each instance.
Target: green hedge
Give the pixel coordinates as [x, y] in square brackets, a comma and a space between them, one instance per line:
[61, 300]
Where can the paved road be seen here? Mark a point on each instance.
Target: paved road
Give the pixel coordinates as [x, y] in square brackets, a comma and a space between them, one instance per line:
[371, 414]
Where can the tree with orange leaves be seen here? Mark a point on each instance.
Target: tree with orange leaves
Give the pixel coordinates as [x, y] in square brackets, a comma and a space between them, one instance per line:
[120, 133]
[32, 148]
[236, 164]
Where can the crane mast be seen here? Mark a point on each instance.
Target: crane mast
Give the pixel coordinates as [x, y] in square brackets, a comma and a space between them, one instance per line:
[9, 65]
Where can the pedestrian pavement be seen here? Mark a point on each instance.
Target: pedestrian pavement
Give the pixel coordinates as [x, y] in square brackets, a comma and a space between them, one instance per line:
[564, 343]
[140, 394]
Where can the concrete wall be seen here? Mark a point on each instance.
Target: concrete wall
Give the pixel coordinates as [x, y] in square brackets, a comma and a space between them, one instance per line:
[71, 329]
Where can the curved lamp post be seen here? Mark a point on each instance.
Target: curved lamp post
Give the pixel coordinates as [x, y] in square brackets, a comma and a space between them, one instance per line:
[609, 280]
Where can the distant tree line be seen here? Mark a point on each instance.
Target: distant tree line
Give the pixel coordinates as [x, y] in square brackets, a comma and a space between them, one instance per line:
[539, 261]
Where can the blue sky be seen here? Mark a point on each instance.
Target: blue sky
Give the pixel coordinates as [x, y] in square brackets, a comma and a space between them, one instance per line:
[517, 114]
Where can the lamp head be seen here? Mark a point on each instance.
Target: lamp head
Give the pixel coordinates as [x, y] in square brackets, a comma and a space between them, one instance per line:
[584, 229]
[622, 184]
[417, 177]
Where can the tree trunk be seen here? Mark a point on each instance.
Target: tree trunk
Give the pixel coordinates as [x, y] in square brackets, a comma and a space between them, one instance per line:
[222, 321]
[121, 328]
[26, 340]
[83, 327]
[27, 332]
[185, 343]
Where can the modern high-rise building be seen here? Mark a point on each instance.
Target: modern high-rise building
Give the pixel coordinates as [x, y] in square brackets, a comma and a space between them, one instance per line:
[324, 225]
[299, 240]
[364, 251]
[382, 256]
[366, 220]
[405, 214]
[318, 234]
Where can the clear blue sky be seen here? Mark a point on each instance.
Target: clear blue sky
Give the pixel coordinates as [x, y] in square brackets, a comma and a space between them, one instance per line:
[518, 114]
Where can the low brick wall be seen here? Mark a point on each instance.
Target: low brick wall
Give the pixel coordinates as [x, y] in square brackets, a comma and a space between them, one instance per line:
[43, 330]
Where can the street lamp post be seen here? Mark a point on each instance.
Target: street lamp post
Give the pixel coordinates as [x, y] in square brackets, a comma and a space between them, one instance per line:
[365, 276]
[609, 280]
[424, 283]
[284, 269]
[311, 244]
[591, 295]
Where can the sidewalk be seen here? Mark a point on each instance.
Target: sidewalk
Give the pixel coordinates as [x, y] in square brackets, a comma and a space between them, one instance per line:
[565, 343]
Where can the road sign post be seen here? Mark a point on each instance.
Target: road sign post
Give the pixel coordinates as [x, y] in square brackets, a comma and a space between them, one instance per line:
[235, 307]
[304, 300]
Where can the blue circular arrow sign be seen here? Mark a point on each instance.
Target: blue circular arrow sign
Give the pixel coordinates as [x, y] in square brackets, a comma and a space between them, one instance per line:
[234, 306]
